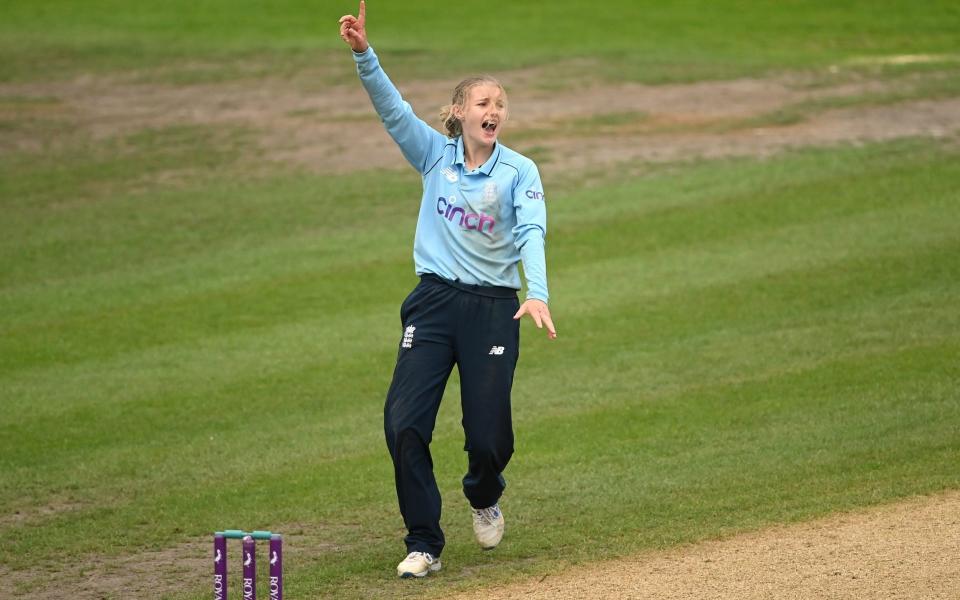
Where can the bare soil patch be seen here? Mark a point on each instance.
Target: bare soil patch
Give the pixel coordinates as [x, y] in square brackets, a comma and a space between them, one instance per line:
[907, 550]
[154, 573]
[333, 129]
[928, 118]
[32, 514]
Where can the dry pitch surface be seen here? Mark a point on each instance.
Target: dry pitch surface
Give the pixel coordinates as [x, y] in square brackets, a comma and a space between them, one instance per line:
[907, 550]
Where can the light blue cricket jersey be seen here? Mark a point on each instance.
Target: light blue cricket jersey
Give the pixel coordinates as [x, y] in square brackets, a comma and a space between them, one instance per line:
[474, 226]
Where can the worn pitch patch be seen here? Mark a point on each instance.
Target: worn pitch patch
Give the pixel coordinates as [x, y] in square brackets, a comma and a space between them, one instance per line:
[905, 550]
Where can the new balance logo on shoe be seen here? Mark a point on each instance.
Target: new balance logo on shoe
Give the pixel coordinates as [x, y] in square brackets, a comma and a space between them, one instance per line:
[496, 351]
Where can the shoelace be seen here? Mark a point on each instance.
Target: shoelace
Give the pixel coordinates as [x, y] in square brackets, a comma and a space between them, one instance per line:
[488, 515]
[426, 556]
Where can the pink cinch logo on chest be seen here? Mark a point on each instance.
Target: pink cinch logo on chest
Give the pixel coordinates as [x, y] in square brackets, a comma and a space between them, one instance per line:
[472, 221]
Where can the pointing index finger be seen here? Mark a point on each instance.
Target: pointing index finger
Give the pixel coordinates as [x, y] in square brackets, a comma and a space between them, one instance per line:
[363, 13]
[550, 326]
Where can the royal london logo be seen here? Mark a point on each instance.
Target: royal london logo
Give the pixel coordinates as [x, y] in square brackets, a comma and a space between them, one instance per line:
[455, 214]
[249, 591]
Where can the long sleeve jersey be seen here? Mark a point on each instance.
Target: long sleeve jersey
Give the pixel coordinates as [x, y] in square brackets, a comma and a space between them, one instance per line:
[475, 226]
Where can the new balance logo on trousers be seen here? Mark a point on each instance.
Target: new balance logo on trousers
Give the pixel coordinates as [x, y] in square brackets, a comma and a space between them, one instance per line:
[496, 350]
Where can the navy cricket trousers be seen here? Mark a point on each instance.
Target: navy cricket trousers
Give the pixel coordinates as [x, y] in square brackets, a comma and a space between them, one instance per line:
[448, 323]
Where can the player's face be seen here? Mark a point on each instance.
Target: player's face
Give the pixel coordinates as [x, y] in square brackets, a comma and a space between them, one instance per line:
[484, 114]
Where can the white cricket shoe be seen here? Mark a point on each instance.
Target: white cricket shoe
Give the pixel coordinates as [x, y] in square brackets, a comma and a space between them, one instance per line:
[488, 526]
[418, 564]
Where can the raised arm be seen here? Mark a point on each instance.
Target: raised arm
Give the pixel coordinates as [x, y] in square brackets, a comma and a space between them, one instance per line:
[419, 143]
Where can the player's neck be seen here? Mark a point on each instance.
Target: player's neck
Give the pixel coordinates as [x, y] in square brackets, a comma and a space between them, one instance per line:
[476, 155]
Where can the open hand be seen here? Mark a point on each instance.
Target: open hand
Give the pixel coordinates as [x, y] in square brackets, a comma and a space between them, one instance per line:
[353, 29]
[541, 315]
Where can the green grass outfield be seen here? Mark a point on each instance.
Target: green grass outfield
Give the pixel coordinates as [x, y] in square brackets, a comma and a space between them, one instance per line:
[645, 39]
[186, 345]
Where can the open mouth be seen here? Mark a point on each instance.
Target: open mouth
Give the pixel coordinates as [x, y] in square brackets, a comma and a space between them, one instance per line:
[489, 126]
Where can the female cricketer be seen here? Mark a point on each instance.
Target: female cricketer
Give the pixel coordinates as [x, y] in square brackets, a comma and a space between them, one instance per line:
[482, 213]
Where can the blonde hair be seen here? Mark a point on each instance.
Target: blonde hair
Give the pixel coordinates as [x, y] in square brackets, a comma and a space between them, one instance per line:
[451, 124]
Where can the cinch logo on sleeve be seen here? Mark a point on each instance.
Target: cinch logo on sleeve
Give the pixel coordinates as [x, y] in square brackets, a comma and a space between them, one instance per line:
[535, 195]
[472, 221]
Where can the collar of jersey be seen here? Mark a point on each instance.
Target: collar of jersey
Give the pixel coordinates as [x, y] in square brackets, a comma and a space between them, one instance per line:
[487, 167]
